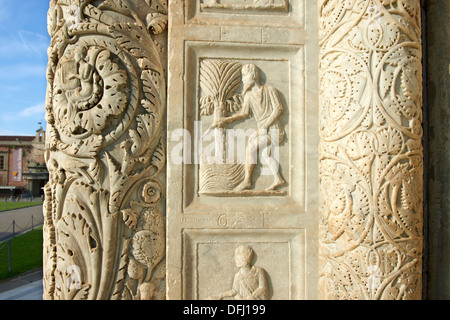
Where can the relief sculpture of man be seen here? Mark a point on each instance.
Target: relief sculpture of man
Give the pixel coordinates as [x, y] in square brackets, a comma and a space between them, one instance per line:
[262, 102]
[250, 282]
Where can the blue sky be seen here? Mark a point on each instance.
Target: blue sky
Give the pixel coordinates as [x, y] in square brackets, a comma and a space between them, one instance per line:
[23, 61]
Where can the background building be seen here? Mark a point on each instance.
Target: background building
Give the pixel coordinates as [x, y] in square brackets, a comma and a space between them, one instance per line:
[22, 165]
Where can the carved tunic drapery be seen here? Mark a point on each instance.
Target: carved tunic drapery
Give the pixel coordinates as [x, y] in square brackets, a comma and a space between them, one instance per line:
[370, 154]
[104, 231]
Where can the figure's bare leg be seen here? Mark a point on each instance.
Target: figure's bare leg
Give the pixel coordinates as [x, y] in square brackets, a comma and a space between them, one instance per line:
[250, 162]
[247, 183]
[278, 182]
[274, 167]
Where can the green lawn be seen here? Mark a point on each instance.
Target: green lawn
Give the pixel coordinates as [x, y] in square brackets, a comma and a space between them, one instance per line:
[26, 253]
[17, 204]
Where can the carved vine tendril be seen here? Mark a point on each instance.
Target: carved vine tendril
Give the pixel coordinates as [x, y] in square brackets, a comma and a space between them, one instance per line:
[370, 150]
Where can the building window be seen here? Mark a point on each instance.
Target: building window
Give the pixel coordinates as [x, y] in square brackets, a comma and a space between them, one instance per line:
[2, 162]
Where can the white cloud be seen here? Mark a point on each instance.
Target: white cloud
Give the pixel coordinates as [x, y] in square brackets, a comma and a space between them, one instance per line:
[22, 70]
[33, 110]
[24, 43]
[35, 43]
[22, 122]
[6, 132]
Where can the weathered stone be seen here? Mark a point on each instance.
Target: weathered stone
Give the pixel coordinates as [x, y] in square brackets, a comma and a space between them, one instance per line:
[105, 201]
[242, 141]
[371, 155]
[293, 130]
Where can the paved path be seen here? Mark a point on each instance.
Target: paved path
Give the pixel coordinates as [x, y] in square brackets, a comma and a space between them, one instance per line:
[27, 286]
[21, 218]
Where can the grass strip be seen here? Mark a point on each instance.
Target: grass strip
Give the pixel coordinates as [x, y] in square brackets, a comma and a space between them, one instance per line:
[26, 254]
[10, 205]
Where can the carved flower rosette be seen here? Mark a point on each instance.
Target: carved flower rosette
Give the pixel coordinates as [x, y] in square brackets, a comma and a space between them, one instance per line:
[89, 91]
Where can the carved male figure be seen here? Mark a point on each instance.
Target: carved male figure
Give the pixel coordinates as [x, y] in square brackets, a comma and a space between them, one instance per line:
[250, 282]
[145, 290]
[263, 103]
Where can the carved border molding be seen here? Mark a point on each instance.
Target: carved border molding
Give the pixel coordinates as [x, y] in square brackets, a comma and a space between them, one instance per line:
[370, 154]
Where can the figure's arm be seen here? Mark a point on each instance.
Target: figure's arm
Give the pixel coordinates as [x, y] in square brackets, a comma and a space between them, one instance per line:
[228, 294]
[261, 292]
[244, 113]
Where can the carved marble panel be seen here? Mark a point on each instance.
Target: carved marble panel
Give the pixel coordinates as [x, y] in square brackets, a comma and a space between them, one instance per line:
[206, 174]
[273, 254]
[242, 165]
[245, 5]
[246, 13]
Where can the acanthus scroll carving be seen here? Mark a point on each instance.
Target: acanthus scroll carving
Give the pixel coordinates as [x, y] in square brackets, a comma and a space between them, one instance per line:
[104, 207]
[370, 150]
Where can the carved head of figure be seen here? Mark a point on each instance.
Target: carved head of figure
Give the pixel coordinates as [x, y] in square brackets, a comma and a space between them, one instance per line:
[243, 256]
[250, 76]
[80, 53]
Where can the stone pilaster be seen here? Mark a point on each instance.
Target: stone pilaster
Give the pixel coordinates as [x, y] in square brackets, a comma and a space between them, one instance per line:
[104, 232]
[370, 155]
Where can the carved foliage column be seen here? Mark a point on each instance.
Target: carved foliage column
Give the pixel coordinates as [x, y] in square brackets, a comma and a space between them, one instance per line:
[104, 232]
[370, 149]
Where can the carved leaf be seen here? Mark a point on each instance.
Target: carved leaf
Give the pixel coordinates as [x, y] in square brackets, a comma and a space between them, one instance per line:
[209, 78]
[409, 195]
[409, 81]
[84, 148]
[390, 141]
[339, 212]
[142, 136]
[384, 205]
[134, 39]
[158, 5]
[115, 5]
[378, 117]
[83, 293]
[360, 145]
[206, 105]
[119, 183]
[96, 170]
[78, 248]
[122, 270]
[159, 156]
[219, 79]
[130, 217]
[230, 79]
[156, 22]
[234, 104]
[386, 79]
[397, 173]
[151, 85]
